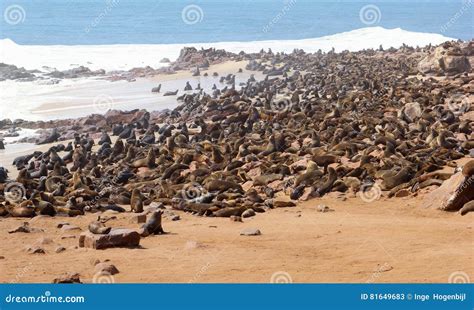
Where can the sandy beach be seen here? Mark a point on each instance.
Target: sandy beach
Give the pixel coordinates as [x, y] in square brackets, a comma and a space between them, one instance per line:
[230, 151]
[387, 241]
[81, 97]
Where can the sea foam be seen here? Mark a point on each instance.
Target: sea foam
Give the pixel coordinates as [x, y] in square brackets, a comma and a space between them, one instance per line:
[127, 56]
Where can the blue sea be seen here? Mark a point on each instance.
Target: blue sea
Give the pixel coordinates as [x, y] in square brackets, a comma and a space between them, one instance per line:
[98, 22]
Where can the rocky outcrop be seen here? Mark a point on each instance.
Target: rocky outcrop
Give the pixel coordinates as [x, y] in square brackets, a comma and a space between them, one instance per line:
[11, 72]
[446, 59]
[453, 194]
[191, 58]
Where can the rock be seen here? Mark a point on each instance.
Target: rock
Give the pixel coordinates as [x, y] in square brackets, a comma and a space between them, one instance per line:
[25, 228]
[60, 225]
[248, 213]
[278, 203]
[49, 137]
[403, 193]
[11, 72]
[105, 268]
[441, 61]
[60, 249]
[165, 60]
[174, 217]
[447, 198]
[324, 208]
[118, 237]
[235, 218]
[70, 228]
[250, 232]
[68, 278]
[35, 250]
[137, 218]
[412, 111]
[68, 237]
[45, 240]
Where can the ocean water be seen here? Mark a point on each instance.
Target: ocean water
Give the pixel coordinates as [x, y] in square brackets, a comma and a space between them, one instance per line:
[123, 34]
[98, 22]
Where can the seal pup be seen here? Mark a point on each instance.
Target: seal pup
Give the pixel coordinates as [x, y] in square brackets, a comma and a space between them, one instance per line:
[170, 93]
[148, 161]
[98, 227]
[136, 201]
[156, 89]
[153, 225]
[468, 207]
[24, 209]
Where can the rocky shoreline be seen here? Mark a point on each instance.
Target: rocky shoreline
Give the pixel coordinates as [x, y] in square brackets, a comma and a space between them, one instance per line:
[189, 59]
[366, 123]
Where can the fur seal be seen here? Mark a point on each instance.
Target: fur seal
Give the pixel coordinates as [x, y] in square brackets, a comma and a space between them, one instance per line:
[136, 201]
[153, 225]
[98, 227]
[468, 207]
[24, 209]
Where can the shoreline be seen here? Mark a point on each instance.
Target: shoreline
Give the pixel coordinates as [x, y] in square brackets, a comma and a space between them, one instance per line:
[100, 56]
[87, 96]
[332, 167]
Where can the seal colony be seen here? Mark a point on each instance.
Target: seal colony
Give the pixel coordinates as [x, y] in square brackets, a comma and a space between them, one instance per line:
[318, 123]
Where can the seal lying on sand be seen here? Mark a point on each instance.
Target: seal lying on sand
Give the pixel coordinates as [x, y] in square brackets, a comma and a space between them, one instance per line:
[98, 227]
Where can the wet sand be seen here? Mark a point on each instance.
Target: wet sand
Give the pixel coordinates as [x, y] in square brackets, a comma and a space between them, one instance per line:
[396, 240]
[87, 96]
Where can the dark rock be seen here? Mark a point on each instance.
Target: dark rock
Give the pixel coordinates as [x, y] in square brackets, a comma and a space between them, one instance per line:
[115, 238]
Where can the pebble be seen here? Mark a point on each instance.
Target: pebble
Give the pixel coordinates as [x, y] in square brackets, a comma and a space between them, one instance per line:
[250, 232]
[60, 249]
[36, 250]
[323, 208]
[106, 268]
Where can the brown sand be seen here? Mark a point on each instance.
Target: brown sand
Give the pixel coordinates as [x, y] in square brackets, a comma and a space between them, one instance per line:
[396, 240]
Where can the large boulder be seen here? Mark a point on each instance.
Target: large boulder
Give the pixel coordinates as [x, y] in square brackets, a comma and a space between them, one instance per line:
[452, 194]
[445, 59]
[411, 112]
[115, 238]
